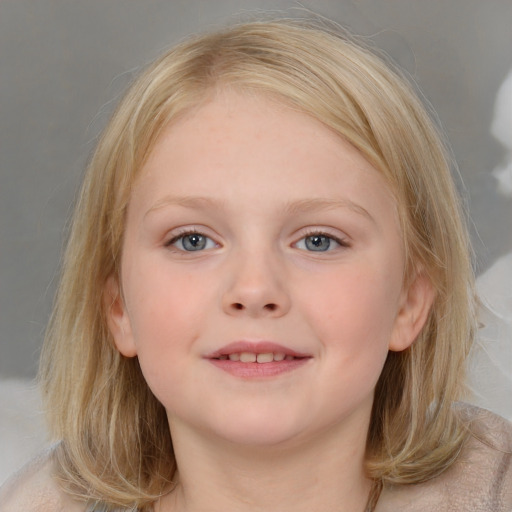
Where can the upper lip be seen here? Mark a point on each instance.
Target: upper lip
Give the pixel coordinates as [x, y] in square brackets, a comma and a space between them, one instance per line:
[255, 347]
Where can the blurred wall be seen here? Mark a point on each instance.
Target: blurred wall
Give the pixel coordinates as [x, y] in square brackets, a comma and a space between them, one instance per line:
[64, 64]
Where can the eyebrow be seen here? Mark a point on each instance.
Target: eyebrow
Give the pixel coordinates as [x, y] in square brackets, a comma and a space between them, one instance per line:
[290, 208]
[186, 202]
[315, 204]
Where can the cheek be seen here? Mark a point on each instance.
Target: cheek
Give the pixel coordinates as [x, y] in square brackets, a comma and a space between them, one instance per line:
[351, 317]
[354, 309]
[158, 294]
[167, 321]
[166, 312]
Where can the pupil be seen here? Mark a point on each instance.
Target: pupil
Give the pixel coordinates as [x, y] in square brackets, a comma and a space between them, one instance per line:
[318, 243]
[194, 242]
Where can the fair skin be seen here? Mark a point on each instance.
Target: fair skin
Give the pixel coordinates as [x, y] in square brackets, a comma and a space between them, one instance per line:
[256, 232]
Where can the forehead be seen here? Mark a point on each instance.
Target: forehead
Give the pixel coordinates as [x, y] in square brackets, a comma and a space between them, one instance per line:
[229, 122]
[241, 147]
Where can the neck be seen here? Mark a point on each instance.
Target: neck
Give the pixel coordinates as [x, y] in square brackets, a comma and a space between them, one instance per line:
[325, 473]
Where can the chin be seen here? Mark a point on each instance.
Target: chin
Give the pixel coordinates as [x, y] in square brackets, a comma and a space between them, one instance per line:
[261, 438]
[257, 429]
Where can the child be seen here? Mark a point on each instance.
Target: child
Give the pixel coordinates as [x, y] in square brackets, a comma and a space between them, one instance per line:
[267, 297]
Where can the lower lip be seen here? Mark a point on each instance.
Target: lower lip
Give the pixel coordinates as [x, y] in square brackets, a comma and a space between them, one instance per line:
[258, 370]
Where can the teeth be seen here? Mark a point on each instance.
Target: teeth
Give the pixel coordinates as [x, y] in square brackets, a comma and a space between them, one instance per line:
[247, 357]
[250, 357]
[265, 358]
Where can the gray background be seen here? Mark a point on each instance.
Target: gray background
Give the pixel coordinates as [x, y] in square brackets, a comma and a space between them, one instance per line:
[65, 63]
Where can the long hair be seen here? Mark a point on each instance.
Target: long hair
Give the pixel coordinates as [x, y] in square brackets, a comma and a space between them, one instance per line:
[115, 442]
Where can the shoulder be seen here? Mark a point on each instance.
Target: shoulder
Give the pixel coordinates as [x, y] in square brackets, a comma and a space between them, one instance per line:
[480, 480]
[33, 489]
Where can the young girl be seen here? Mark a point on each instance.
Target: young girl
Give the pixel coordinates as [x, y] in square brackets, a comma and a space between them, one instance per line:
[267, 297]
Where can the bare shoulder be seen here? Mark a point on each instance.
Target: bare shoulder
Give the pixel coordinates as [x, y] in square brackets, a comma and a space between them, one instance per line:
[33, 489]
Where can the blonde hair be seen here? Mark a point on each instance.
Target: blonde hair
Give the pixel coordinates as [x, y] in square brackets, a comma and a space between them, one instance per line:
[115, 442]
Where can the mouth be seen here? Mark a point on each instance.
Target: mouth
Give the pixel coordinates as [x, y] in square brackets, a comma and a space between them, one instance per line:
[261, 359]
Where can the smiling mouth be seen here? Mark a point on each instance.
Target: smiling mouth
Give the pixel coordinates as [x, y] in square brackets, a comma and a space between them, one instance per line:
[261, 358]
[258, 360]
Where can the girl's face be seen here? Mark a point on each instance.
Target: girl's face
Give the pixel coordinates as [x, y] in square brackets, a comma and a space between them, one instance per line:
[262, 275]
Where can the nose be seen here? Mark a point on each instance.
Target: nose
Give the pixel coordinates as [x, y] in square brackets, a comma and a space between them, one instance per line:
[256, 288]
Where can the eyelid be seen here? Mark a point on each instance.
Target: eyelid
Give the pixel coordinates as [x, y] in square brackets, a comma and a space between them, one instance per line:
[179, 233]
[341, 240]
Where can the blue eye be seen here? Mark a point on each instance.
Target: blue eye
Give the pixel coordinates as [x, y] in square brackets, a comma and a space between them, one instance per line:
[192, 242]
[318, 242]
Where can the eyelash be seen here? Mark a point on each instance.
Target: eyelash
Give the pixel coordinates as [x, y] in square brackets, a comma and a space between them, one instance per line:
[312, 233]
[183, 234]
[340, 241]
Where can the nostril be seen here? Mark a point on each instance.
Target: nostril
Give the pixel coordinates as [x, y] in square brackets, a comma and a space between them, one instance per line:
[267, 307]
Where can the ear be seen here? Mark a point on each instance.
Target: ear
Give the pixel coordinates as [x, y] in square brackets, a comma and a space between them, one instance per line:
[118, 320]
[415, 304]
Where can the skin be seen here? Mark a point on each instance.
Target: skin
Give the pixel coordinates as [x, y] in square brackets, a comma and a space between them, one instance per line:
[257, 178]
